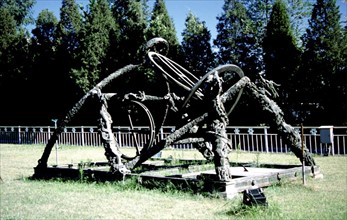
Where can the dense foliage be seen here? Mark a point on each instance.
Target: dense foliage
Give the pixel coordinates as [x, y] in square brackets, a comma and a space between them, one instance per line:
[281, 54]
[299, 45]
[196, 46]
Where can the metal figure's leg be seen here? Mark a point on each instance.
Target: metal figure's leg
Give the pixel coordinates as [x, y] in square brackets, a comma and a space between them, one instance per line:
[217, 122]
[111, 146]
[42, 163]
[220, 148]
[287, 132]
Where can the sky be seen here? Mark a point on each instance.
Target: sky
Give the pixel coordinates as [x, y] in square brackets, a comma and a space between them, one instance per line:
[205, 10]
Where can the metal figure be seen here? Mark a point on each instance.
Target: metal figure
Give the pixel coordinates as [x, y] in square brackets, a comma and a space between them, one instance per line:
[218, 92]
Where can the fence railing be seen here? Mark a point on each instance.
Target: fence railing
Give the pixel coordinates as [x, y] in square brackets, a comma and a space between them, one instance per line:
[260, 139]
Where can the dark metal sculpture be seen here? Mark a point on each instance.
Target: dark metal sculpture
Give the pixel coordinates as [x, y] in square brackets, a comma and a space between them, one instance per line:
[217, 92]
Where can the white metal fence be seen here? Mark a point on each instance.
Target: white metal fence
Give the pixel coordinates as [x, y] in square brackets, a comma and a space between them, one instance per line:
[260, 139]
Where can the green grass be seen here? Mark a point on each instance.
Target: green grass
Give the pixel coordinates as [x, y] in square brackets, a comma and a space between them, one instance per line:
[22, 198]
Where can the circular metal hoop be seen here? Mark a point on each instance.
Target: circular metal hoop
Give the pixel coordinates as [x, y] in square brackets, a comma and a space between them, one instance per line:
[135, 109]
[222, 72]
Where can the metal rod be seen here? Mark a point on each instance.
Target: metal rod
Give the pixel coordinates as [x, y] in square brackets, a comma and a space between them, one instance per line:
[133, 134]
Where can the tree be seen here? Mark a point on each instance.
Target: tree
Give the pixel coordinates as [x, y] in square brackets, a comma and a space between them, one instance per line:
[299, 11]
[44, 76]
[321, 62]
[15, 61]
[67, 41]
[281, 54]
[236, 37]
[131, 18]
[14, 15]
[68, 30]
[340, 83]
[8, 35]
[196, 46]
[44, 32]
[99, 26]
[7, 29]
[161, 25]
[258, 12]
[237, 44]
[20, 10]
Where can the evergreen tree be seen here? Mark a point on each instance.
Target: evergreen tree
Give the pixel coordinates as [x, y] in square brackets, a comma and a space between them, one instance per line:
[299, 12]
[8, 35]
[44, 75]
[99, 26]
[196, 46]
[259, 13]
[281, 54]
[260, 10]
[67, 42]
[321, 61]
[340, 84]
[131, 18]
[14, 57]
[20, 10]
[237, 44]
[7, 28]
[161, 25]
[338, 107]
[44, 33]
[68, 30]
[236, 37]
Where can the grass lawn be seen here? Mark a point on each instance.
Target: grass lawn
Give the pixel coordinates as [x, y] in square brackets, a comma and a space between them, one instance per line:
[22, 198]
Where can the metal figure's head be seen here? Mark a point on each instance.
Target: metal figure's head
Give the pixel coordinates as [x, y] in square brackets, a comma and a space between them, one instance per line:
[213, 85]
[158, 45]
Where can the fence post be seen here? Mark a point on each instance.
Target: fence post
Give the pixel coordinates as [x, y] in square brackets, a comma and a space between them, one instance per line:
[265, 140]
[82, 135]
[119, 137]
[19, 139]
[161, 134]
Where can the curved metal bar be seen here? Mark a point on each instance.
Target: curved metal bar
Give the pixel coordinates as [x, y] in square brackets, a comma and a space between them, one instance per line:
[152, 134]
[196, 90]
[182, 77]
[42, 162]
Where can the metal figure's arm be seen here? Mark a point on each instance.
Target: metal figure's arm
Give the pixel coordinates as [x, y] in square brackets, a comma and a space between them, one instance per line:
[171, 98]
[269, 86]
[141, 96]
